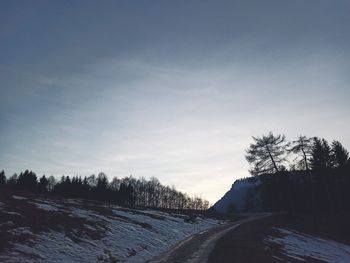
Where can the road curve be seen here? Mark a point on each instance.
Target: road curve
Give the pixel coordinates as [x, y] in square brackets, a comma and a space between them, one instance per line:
[197, 247]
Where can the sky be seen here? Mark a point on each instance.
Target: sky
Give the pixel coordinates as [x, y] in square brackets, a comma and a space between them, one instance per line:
[167, 89]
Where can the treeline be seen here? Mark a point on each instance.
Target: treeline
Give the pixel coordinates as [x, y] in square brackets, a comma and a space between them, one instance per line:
[270, 153]
[309, 175]
[127, 191]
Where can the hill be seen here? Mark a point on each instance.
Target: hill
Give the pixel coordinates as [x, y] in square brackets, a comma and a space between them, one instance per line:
[242, 196]
[50, 229]
[308, 192]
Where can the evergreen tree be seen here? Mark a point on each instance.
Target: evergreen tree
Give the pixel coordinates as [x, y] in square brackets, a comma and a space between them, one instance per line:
[27, 180]
[123, 193]
[2, 178]
[102, 182]
[129, 195]
[321, 155]
[12, 181]
[339, 154]
[43, 184]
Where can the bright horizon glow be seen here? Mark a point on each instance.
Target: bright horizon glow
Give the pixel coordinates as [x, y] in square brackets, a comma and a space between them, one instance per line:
[135, 90]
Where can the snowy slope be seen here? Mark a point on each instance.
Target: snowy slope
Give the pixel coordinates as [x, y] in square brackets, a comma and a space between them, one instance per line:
[237, 198]
[307, 248]
[70, 230]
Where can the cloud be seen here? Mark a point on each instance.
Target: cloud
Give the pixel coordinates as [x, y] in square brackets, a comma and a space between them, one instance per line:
[139, 91]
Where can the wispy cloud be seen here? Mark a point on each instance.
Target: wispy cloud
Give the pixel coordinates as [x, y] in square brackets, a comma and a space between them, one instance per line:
[174, 99]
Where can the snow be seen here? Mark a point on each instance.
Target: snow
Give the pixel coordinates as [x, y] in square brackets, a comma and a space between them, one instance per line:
[126, 235]
[12, 213]
[19, 197]
[302, 247]
[21, 231]
[46, 207]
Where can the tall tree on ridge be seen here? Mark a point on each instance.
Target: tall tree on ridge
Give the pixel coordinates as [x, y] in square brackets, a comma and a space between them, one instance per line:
[267, 153]
[302, 146]
[321, 155]
[340, 154]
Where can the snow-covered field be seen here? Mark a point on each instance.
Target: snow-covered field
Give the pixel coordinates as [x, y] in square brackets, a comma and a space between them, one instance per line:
[308, 248]
[50, 230]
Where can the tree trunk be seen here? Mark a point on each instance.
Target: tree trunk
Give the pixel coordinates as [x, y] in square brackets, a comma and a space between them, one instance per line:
[305, 159]
[273, 161]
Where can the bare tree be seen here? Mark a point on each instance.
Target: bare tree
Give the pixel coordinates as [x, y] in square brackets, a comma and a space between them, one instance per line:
[303, 147]
[267, 153]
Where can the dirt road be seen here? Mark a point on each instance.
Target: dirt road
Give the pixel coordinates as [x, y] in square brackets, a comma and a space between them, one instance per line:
[198, 247]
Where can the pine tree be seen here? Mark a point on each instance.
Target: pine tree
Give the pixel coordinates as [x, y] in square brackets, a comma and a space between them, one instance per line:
[321, 155]
[43, 184]
[2, 178]
[27, 180]
[339, 154]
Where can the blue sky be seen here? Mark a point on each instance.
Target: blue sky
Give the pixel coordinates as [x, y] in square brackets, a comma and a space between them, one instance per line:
[172, 89]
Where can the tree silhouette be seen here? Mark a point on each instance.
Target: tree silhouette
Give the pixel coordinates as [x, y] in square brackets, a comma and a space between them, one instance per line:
[127, 191]
[123, 193]
[2, 178]
[102, 182]
[101, 189]
[302, 146]
[12, 181]
[51, 183]
[339, 154]
[27, 180]
[267, 153]
[43, 184]
[321, 155]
